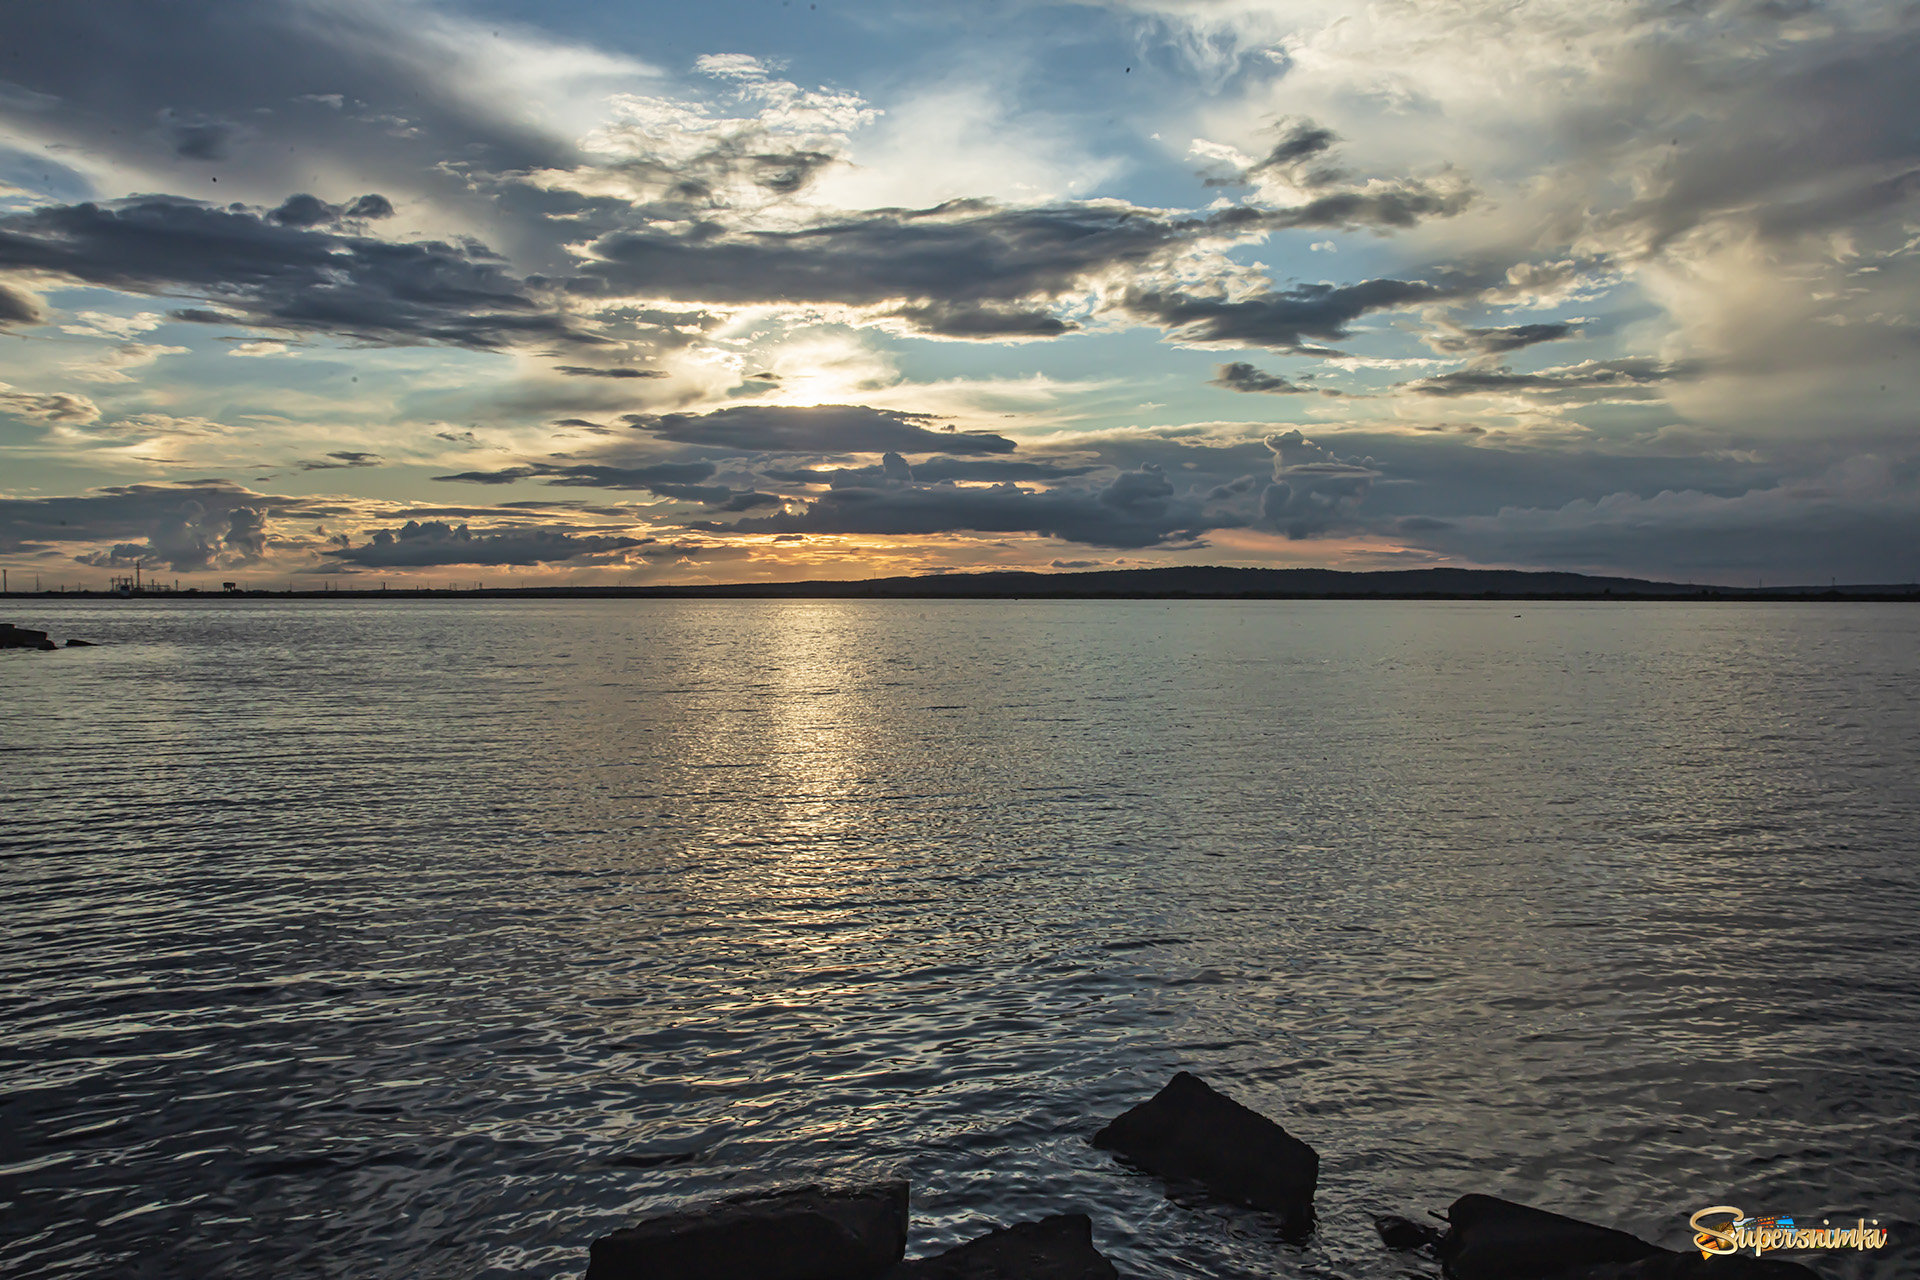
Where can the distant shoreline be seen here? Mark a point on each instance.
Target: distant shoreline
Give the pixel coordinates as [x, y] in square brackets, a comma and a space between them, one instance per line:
[1197, 583]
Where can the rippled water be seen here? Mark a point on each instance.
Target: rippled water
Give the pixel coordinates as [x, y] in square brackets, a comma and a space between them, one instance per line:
[436, 939]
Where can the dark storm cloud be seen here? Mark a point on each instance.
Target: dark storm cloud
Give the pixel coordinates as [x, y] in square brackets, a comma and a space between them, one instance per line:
[719, 497]
[1450, 475]
[1136, 509]
[1302, 141]
[679, 480]
[588, 371]
[506, 475]
[967, 268]
[934, 470]
[1799, 144]
[825, 428]
[1313, 489]
[345, 458]
[1857, 521]
[311, 211]
[1282, 320]
[425, 543]
[198, 138]
[1241, 376]
[590, 476]
[974, 320]
[387, 84]
[200, 315]
[1632, 374]
[1338, 201]
[1497, 341]
[966, 256]
[281, 276]
[1397, 204]
[184, 527]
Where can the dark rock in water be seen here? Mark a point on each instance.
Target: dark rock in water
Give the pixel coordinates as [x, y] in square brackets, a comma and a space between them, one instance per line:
[80, 644]
[1189, 1132]
[801, 1233]
[1056, 1248]
[1404, 1233]
[12, 637]
[1494, 1239]
[46, 646]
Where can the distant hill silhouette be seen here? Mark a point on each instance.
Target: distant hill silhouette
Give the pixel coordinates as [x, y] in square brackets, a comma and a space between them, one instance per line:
[1214, 582]
[1183, 582]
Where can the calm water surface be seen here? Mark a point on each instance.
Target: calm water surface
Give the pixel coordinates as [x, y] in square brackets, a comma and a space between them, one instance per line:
[435, 939]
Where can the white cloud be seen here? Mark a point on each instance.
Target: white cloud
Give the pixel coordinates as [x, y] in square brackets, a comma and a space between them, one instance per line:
[115, 364]
[101, 324]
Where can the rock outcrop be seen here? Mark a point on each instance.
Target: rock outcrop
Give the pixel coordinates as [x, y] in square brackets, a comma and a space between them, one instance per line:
[1188, 1132]
[802, 1233]
[1488, 1238]
[1056, 1248]
[12, 637]
[1494, 1239]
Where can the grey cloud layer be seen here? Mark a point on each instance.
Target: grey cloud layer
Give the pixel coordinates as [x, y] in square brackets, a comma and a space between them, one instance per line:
[1284, 320]
[1135, 509]
[427, 543]
[1629, 375]
[186, 527]
[189, 79]
[1241, 376]
[825, 428]
[266, 272]
[970, 268]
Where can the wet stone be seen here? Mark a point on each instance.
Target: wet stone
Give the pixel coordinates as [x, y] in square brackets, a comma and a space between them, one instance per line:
[798, 1233]
[1056, 1248]
[1189, 1132]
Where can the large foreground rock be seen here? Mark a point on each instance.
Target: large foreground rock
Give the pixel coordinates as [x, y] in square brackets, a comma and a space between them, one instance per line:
[801, 1233]
[1493, 1239]
[1056, 1248]
[1188, 1132]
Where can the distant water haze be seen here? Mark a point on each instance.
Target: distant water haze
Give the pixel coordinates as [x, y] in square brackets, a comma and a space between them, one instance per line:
[437, 938]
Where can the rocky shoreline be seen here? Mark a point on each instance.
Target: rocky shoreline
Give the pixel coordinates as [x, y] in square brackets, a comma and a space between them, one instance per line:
[12, 637]
[1188, 1135]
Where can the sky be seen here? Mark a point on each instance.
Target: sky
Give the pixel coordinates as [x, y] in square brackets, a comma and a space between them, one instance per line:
[388, 291]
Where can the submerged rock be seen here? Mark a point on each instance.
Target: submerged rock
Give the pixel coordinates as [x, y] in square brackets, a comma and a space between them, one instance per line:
[1056, 1248]
[80, 644]
[799, 1233]
[1494, 1239]
[1404, 1233]
[1189, 1132]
